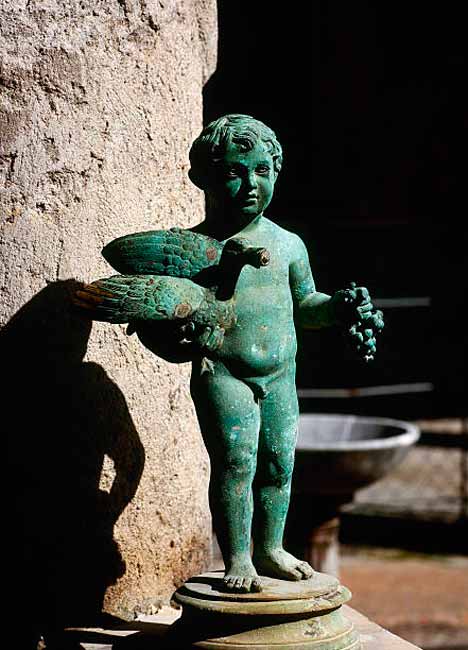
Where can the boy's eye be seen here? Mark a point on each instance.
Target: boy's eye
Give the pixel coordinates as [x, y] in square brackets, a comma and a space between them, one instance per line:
[231, 173]
[263, 169]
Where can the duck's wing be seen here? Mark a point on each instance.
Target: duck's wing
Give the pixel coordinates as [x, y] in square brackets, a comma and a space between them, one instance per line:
[176, 252]
[128, 298]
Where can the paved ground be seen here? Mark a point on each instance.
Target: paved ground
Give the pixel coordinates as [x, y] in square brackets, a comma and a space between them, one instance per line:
[421, 598]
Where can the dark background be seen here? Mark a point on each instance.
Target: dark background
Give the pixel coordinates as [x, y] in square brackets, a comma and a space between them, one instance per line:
[369, 103]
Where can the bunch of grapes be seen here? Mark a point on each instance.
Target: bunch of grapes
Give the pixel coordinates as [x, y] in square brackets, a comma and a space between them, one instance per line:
[362, 334]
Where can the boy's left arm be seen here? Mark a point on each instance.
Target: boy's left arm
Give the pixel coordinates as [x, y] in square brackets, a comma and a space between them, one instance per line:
[350, 308]
[313, 308]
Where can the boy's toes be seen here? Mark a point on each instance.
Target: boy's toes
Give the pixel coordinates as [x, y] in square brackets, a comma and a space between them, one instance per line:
[294, 574]
[250, 585]
[306, 570]
[256, 585]
[230, 582]
[246, 585]
[242, 584]
[239, 584]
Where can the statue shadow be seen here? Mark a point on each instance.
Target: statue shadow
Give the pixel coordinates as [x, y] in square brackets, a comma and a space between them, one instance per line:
[61, 417]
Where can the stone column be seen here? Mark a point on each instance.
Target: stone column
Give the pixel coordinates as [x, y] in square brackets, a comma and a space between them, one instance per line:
[99, 102]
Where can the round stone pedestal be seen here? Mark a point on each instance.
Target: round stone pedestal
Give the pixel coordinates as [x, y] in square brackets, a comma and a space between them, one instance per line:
[286, 615]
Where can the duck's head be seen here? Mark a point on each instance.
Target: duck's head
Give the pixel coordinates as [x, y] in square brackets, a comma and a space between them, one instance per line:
[237, 252]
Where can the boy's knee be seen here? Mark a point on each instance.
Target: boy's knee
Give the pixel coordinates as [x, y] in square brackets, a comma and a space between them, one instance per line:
[241, 463]
[281, 474]
[277, 469]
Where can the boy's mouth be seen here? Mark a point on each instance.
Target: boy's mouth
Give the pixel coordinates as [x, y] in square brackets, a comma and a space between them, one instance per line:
[249, 200]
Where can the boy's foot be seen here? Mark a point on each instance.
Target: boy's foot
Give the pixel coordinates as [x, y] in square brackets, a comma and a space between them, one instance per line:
[281, 564]
[241, 577]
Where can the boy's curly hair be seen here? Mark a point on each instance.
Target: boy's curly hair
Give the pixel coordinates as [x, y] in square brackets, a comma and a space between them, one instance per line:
[241, 130]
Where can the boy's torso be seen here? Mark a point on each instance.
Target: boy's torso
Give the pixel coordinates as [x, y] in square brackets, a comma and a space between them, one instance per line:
[263, 339]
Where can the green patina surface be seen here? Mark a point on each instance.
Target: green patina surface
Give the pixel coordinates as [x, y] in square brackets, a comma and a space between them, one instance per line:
[228, 295]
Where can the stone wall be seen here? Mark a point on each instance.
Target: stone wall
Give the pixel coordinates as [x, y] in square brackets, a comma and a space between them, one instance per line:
[99, 102]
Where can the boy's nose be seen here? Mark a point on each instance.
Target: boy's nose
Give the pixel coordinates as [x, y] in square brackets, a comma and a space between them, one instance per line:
[251, 181]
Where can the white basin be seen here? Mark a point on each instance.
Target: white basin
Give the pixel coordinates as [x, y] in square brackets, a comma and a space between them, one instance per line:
[338, 454]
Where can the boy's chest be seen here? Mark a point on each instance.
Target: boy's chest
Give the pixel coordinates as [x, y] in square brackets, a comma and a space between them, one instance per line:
[273, 277]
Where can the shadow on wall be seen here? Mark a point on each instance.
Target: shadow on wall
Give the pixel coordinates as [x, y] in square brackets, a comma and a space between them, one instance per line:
[61, 416]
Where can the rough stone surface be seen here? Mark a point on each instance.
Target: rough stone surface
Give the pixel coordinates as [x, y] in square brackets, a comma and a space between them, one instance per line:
[99, 102]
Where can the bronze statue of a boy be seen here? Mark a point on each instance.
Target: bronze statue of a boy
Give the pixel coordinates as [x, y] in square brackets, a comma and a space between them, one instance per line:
[242, 341]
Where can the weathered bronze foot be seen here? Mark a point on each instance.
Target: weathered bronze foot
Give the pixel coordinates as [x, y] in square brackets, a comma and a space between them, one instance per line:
[241, 577]
[280, 564]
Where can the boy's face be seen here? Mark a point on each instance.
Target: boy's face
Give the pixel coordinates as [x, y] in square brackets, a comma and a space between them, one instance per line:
[242, 183]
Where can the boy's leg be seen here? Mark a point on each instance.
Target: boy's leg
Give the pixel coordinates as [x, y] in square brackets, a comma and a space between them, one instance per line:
[272, 488]
[229, 419]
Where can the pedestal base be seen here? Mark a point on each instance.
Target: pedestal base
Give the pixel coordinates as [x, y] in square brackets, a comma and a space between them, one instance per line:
[286, 615]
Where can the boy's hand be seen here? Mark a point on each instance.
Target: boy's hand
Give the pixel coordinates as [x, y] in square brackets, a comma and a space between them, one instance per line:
[208, 339]
[351, 305]
[354, 310]
[211, 339]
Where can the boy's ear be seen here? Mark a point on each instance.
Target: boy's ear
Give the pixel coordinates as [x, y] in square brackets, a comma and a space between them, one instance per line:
[196, 178]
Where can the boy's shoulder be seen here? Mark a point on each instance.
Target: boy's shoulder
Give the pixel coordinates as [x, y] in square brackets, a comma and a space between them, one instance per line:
[293, 240]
